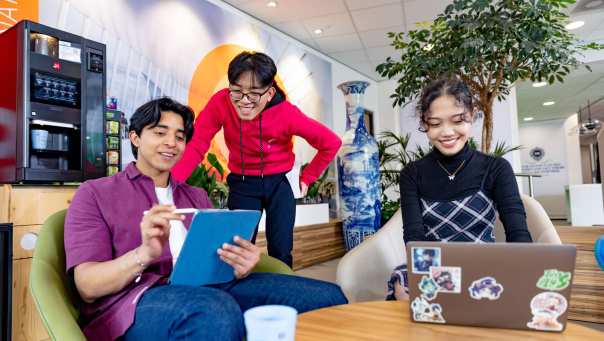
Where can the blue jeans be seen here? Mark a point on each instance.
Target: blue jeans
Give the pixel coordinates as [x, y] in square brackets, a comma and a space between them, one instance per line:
[170, 312]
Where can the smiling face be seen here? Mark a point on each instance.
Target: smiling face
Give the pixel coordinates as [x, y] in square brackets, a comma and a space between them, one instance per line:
[160, 146]
[249, 97]
[448, 125]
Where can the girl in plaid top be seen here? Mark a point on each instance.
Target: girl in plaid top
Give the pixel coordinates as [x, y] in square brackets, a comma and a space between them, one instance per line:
[453, 193]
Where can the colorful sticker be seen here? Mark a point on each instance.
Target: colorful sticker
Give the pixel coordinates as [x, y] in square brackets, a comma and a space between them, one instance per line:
[486, 287]
[423, 258]
[554, 279]
[546, 307]
[425, 311]
[428, 287]
[448, 278]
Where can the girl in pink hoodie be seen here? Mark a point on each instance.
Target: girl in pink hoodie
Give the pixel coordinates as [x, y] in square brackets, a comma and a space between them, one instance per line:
[259, 124]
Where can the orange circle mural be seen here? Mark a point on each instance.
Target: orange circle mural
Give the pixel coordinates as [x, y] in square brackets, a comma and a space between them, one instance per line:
[210, 76]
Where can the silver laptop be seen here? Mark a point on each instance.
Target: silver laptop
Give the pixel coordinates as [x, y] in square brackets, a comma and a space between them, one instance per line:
[503, 285]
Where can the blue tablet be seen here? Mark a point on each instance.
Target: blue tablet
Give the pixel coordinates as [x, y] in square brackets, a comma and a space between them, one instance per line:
[198, 262]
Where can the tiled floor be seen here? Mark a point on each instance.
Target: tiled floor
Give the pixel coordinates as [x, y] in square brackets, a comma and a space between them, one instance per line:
[327, 272]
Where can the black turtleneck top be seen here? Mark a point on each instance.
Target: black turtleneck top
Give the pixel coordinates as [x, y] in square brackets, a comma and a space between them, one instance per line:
[426, 179]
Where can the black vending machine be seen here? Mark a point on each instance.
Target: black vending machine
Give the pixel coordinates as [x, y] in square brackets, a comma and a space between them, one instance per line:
[52, 97]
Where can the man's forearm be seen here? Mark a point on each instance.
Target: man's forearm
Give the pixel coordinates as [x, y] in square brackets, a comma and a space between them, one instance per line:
[97, 279]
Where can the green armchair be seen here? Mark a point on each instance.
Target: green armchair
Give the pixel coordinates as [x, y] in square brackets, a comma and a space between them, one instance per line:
[54, 292]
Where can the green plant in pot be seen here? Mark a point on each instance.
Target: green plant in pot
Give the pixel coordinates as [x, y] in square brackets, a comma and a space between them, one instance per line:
[489, 44]
[205, 178]
[318, 191]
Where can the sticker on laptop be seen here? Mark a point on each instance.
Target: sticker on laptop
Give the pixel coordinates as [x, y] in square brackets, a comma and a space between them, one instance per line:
[425, 311]
[554, 279]
[428, 287]
[546, 307]
[448, 278]
[423, 258]
[486, 287]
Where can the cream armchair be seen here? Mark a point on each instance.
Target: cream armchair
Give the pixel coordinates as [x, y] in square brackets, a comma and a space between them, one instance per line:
[364, 271]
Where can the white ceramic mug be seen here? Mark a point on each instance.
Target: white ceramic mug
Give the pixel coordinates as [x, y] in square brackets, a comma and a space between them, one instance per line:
[271, 323]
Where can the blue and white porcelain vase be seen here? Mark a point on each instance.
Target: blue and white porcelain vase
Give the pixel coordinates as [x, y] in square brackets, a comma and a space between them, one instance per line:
[358, 168]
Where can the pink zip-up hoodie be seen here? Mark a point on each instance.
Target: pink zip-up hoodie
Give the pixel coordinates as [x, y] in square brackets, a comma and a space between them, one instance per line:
[279, 124]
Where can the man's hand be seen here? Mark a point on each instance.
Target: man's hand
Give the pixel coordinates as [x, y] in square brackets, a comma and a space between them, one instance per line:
[303, 189]
[155, 231]
[242, 258]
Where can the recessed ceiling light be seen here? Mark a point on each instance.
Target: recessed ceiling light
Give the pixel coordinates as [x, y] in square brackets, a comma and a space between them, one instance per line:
[528, 118]
[318, 31]
[539, 84]
[547, 104]
[574, 25]
[271, 4]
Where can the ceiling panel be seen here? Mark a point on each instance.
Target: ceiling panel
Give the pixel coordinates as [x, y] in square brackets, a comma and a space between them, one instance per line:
[378, 17]
[361, 4]
[422, 10]
[379, 54]
[332, 25]
[346, 42]
[351, 57]
[291, 9]
[294, 29]
[379, 38]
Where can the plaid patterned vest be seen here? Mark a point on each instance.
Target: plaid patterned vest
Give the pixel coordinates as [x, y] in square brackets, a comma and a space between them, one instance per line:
[470, 219]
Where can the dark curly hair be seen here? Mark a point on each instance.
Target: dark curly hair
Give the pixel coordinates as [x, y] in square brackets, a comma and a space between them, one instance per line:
[445, 86]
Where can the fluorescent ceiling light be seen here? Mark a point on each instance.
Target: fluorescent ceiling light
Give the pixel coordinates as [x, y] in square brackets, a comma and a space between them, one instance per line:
[539, 84]
[528, 118]
[574, 25]
[549, 103]
[271, 4]
[318, 31]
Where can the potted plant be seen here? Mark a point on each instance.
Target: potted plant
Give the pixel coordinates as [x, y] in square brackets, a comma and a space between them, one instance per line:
[490, 45]
[205, 177]
[314, 207]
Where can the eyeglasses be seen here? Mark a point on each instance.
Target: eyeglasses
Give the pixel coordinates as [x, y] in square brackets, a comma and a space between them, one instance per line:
[254, 97]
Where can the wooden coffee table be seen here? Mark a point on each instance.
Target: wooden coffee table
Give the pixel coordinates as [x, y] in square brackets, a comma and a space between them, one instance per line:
[389, 320]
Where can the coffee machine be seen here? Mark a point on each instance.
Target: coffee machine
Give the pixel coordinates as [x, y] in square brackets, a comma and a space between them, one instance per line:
[52, 95]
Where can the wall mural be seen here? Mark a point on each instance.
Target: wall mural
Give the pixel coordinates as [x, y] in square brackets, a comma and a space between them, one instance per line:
[182, 49]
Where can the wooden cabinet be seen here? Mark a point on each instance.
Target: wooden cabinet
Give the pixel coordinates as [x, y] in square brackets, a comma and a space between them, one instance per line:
[26, 207]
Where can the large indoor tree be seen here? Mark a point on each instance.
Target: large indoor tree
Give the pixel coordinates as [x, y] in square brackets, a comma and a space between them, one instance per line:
[490, 45]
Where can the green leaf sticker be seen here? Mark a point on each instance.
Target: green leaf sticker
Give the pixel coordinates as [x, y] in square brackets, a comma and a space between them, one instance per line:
[553, 279]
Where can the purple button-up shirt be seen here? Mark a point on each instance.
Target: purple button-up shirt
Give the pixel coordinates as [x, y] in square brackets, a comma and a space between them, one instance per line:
[103, 223]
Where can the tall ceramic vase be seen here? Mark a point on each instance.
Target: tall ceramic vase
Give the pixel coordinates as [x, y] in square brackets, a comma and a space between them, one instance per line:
[358, 168]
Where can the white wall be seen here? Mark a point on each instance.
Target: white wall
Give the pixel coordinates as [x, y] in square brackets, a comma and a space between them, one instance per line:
[573, 150]
[340, 74]
[551, 137]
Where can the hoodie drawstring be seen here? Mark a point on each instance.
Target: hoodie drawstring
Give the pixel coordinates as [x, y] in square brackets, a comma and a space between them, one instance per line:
[241, 149]
[261, 150]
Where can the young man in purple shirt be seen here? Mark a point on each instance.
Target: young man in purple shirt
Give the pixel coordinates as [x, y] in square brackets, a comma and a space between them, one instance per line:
[120, 259]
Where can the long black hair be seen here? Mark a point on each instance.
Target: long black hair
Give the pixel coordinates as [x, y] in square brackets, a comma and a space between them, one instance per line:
[262, 66]
[445, 86]
[149, 114]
